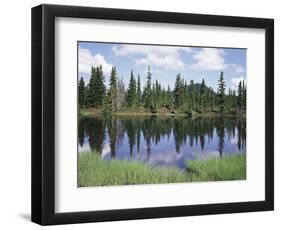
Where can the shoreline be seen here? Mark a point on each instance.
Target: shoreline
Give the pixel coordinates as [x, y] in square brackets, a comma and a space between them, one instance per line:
[98, 113]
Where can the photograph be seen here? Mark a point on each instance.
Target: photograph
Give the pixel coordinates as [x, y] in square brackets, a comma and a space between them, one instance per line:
[172, 113]
[151, 114]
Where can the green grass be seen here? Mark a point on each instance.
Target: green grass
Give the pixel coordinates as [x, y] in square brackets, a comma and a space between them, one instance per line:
[94, 171]
[217, 169]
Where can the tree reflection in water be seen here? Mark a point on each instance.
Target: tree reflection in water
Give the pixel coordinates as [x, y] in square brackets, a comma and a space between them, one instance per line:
[151, 130]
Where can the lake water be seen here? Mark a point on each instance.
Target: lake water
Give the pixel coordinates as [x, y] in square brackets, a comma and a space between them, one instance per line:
[162, 141]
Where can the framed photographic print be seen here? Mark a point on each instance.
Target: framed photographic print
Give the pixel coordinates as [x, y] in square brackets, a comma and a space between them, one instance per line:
[142, 114]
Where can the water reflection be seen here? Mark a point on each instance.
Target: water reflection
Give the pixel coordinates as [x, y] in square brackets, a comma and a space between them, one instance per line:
[165, 141]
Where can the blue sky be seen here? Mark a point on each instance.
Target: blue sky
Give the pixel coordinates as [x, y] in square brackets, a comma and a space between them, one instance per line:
[166, 62]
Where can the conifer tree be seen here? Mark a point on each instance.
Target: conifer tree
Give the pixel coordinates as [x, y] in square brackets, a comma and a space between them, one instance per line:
[192, 94]
[138, 92]
[170, 98]
[240, 96]
[148, 90]
[120, 94]
[208, 98]
[86, 96]
[234, 99]
[202, 95]
[178, 91]
[158, 94]
[90, 88]
[106, 109]
[186, 96]
[153, 107]
[132, 91]
[97, 88]
[244, 94]
[221, 93]
[112, 91]
[81, 93]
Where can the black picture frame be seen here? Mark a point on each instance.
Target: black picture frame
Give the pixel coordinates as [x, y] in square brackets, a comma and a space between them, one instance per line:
[43, 114]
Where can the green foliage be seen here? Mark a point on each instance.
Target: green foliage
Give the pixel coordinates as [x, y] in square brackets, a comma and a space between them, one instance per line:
[106, 106]
[179, 92]
[192, 94]
[153, 107]
[184, 98]
[221, 93]
[244, 95]
[231, 167]
[81, 93]
[202, 95]
[111, 101]
[93, 171]
[241, 99]
[131, 97]
[139, 96]
[169, 97]
[120, 94]
[96, 89]
[90, 89]
[147, 93]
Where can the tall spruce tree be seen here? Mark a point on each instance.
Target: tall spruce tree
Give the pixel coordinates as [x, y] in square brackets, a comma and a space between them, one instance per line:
[192, 95]
[178, 91]
[120, 93]
[154, 99]
[81, 93]
[186, 96]
[209, 99]
[202, 95]
[221, 93]
[228, 99]
[170, 98]
[139, 92]
[90, 88]
[132, 91]
[240, 96]
[106, 108]
[244, 94]
[234, 104]
[97, 87]
[86, 96]
[112, 91]
[158, 94]
[148, 91]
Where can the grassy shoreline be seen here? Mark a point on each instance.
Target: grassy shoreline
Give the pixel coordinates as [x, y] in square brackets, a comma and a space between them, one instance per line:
[231, 167]
[93, 171]
[143, 112]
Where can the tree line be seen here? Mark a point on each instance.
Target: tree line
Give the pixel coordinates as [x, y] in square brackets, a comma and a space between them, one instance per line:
[185, 97]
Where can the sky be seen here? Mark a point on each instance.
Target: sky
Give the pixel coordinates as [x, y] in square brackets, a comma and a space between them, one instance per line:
[193, 63]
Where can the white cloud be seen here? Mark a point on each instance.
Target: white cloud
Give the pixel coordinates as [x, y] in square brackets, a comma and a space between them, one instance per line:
[167, 57]
[87, 60]
[238, 69]
[235, 81]
[124, 50]
[209, 59]
[166, 62]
